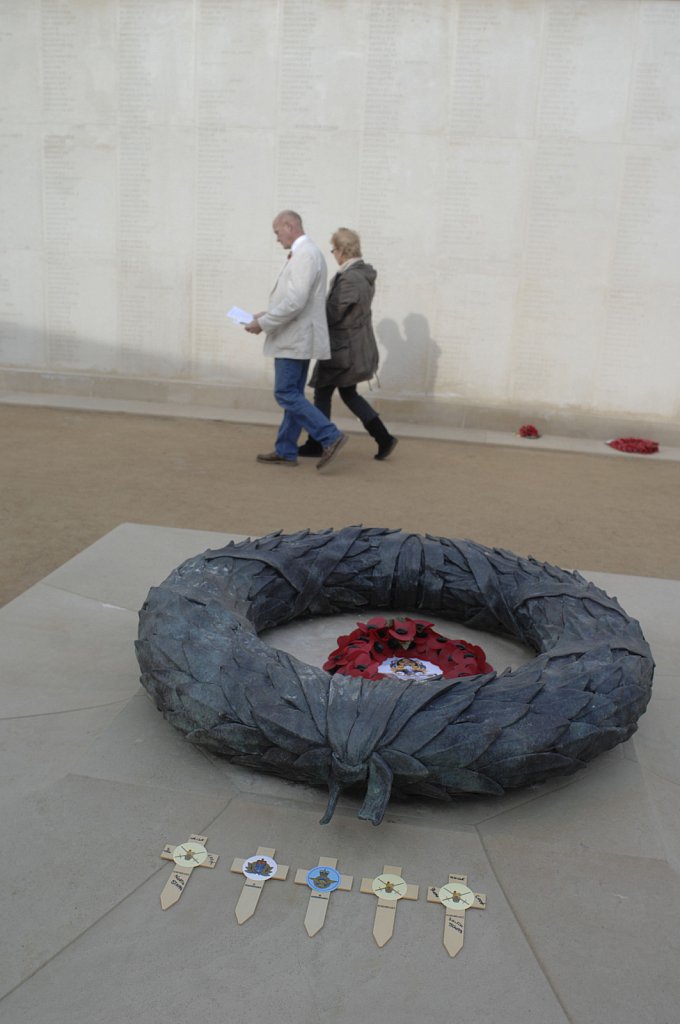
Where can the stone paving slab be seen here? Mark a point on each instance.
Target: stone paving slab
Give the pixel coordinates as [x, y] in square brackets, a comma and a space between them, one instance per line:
[131, 559]
[603, 925]
[53, 736]
[73, 850]
[581, 874]
[62, 652]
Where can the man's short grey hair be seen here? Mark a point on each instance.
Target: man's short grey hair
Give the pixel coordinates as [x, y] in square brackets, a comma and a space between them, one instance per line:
[290, 217]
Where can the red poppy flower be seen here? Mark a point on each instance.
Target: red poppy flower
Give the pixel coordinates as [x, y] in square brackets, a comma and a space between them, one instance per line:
[422, 625]
[379, 622]
[403, 630]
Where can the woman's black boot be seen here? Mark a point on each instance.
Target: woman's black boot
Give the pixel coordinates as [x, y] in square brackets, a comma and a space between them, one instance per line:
[310, 449]
[385, 441]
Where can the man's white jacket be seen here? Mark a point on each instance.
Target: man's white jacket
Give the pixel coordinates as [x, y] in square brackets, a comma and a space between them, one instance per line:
[295, 322]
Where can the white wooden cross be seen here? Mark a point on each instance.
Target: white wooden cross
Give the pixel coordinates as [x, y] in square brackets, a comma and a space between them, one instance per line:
[322, 880]
[389, 887]
[258, 869]
[186, 856]
[456, 898]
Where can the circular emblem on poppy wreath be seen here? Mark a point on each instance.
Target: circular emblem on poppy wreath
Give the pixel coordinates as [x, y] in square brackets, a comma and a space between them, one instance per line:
[216, 681]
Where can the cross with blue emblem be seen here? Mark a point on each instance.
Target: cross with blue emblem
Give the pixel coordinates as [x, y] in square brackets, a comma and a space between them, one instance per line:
[322, 880]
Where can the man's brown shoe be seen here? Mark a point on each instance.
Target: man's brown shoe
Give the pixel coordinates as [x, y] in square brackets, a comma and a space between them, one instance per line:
[332, 450]
[275, 460]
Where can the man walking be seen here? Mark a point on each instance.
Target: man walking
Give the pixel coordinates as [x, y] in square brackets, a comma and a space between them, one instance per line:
[297, 331]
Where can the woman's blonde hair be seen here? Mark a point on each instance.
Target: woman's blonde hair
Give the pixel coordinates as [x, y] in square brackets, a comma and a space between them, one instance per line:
[347, 243]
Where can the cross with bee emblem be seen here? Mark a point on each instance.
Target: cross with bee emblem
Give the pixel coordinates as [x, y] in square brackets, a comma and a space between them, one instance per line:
[258, 869]
[322, 880]
[456, 898]
[186, 856]
[389, 887]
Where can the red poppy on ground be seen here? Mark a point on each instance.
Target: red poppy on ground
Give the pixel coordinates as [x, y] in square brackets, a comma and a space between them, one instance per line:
[638, 445]
[528, 430]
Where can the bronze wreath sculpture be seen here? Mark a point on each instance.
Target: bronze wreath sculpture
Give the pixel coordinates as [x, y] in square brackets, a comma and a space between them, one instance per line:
[225, 689]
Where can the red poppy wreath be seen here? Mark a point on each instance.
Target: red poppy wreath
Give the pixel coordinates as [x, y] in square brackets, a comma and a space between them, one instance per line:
[404, 648]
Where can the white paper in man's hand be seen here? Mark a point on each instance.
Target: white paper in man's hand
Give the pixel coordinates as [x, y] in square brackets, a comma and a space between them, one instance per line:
[239, 316]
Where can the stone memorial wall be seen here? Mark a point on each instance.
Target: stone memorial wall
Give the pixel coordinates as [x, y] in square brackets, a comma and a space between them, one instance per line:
[511, 165]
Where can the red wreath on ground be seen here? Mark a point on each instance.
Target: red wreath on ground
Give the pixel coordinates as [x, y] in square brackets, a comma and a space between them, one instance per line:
[528, 430]
[362, 652]
[639, 445]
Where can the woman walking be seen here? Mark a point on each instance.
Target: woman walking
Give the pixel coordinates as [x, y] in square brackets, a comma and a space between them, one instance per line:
[354, 352]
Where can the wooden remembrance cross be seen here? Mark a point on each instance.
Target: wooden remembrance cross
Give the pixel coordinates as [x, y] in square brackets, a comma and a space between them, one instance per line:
[258, 869]
[456, 898]
[322, 880]
[186, 856]
[389, 887]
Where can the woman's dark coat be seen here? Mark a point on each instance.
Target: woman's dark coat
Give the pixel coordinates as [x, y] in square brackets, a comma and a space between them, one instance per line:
[354, 352]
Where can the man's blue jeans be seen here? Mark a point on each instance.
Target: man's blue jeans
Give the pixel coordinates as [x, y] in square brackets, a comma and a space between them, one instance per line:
[299, 414]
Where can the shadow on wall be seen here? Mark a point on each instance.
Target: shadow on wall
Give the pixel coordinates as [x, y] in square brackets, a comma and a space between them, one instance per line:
[145, 355]
[410, 364]
[54, 353]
